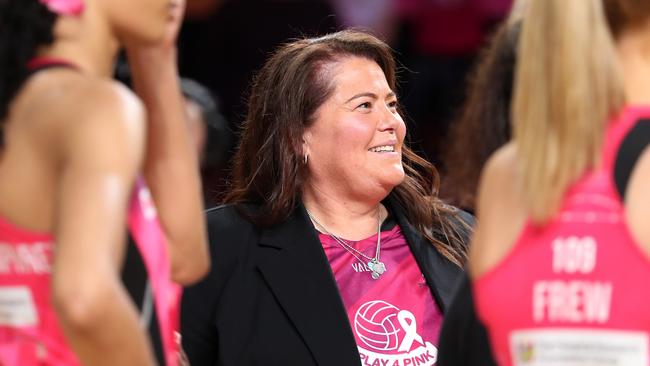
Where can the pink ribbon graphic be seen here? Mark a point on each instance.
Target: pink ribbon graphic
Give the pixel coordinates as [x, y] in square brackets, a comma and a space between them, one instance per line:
[65, 7]
[408, 323]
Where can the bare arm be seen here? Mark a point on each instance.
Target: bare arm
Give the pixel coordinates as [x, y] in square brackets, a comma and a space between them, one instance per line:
[171, 165]
[99, 155]
[500, 211]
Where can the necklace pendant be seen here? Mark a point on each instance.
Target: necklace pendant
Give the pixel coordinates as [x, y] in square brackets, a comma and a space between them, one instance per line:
[378, 268]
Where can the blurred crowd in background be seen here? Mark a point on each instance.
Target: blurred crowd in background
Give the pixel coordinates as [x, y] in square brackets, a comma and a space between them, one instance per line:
[224, 42]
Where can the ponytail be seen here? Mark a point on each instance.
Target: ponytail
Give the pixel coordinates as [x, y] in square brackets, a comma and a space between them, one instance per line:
[25, 25]
[568, 85]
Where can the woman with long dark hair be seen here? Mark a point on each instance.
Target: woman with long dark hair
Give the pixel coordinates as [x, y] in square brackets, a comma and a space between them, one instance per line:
[483, 125]
[333, 246]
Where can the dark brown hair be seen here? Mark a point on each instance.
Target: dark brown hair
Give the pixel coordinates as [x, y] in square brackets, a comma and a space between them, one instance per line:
[626, 13]
[268, 167]
[483, 124]
[25, 26]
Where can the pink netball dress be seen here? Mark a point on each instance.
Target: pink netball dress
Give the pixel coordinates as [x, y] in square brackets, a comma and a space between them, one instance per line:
[574, 292]
[29, 331]
[150, 242]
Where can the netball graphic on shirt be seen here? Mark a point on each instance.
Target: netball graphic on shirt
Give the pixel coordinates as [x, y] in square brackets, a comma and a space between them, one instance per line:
[388, 335]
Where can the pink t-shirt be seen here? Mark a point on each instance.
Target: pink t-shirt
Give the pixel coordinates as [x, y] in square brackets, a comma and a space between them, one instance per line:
[574, 291]
[395, 319]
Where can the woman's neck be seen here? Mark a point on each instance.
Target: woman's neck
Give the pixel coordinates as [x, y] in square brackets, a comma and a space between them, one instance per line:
[85, 41]
[633, 47]
[348, 219]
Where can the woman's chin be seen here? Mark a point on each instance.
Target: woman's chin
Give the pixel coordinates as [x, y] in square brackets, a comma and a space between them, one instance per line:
[390, 180]
[396, 175]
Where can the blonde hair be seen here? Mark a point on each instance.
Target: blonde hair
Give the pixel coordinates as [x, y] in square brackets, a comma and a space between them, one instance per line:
[568, 84]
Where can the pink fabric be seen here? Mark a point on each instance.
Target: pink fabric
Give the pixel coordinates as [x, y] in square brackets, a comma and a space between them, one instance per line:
[395, 319]
[580, 281]
[29, 330]
[65, 7]
[148, 235]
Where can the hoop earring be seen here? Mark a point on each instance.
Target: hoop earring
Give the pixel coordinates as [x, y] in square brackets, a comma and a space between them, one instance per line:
[305, 159]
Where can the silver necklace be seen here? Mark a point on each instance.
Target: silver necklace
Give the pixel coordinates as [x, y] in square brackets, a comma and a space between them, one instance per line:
[376, 266]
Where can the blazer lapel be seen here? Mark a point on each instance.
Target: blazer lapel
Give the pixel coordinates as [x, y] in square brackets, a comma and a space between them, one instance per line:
[296, 268]
[441, 274]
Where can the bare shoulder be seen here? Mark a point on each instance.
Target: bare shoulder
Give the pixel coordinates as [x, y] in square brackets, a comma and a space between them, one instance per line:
[80, 100]
[500, 211]
[501, 167]
[105, 104]
[90, 114]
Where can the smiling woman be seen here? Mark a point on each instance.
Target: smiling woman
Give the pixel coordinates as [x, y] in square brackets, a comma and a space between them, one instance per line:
[333, 246]
[357, 136]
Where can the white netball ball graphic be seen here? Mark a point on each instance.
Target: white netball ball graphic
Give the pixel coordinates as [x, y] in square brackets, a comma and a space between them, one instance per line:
[377, 326]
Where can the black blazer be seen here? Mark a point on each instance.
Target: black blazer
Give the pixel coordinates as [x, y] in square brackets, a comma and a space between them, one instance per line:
[271, 297]
[463, 338]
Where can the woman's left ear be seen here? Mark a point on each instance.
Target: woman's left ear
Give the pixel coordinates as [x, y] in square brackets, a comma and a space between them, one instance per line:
[306, 137]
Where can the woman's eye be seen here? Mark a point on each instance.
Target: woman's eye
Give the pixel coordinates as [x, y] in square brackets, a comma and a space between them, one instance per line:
[392, 104]
[365, 105]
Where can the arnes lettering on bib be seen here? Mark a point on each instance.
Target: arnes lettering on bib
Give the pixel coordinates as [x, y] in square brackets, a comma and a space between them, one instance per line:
[25, 258]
